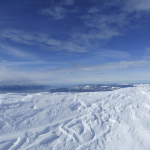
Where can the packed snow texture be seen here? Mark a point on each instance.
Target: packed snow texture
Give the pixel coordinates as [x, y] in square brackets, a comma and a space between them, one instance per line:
[116, 120]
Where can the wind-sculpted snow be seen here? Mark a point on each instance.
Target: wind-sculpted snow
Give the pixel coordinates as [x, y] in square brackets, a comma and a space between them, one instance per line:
[116, 120]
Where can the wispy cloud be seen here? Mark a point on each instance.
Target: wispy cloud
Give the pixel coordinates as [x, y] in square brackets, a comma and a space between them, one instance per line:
[113, 54]
[56, 12]
[107, 66]
[96, 36]
[118, 66]
[103, 26]
[3, 60]
[17, 36]
[99, 20]
[42, 40]
[67, 2]
[7, 63]
[27, 38]
[78, 42]
[17, 52]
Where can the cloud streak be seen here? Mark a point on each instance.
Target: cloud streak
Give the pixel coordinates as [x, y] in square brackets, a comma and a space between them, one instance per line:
[17, 52]
[123, 65]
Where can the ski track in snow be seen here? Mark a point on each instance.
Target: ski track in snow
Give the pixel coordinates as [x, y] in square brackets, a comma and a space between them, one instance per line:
[116, 120]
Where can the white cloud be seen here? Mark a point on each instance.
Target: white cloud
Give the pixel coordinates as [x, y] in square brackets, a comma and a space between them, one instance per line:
[109, 25]
[104, 67]
[137, 5]
[102, 20]
[128, 5]
[73, 47]
[16, 35]
[147, 54]
[93, 10]
[3, 60]
[59, 10]
[27, 38]
[104, 34]
[68, 2]
[56, 12]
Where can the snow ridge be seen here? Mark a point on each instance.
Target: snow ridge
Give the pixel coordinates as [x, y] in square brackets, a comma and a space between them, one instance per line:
[116, 120]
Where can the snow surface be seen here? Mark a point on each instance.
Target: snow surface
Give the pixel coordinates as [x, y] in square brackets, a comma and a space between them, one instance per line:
[116, 120]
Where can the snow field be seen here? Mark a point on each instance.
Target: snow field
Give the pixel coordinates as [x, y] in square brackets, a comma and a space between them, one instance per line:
[116, 120]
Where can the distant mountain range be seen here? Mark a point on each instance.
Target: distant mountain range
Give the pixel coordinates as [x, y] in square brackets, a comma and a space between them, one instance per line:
[24, 88]
[78, 88]
[94, 88]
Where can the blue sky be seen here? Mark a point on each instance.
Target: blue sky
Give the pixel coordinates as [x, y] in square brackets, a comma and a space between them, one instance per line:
[63, 42]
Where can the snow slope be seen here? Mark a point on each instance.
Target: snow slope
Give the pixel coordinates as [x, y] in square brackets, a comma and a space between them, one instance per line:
[116, 120]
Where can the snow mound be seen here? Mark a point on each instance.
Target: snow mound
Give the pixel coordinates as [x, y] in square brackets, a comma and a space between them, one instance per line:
[116, 120]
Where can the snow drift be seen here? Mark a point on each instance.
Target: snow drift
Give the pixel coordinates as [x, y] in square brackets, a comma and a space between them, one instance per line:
[116, 120]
